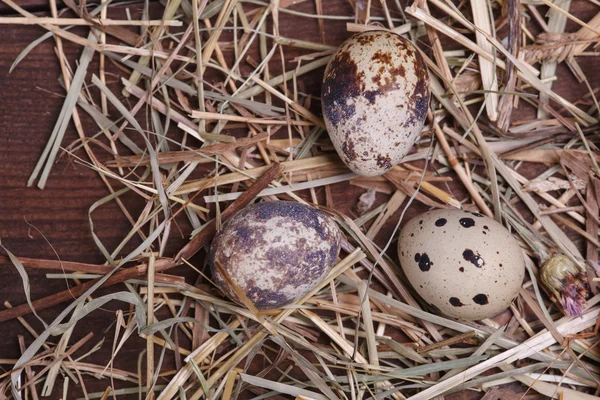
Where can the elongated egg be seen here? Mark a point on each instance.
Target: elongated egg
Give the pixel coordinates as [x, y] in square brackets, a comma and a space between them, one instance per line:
[375, 96]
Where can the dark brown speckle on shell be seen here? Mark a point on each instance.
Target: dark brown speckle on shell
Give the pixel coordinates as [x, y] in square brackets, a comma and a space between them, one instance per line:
[275, 252]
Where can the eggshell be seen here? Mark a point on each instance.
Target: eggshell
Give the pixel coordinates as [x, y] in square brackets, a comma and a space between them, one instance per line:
[465, 264]
[274, 252]
[375, 96]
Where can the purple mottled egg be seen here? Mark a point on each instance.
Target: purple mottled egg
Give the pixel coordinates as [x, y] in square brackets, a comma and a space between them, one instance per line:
[275, 252]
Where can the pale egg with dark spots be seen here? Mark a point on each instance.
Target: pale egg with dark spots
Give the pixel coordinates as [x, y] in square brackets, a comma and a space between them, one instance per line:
[375, 96]
[274, 252]
[465, 264]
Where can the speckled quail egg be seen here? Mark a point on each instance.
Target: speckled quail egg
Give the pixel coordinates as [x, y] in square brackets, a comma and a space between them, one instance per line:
[274, 252]
[375, 96]
[465, 264]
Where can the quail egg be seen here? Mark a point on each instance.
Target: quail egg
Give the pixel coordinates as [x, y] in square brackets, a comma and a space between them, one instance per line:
[375, 96]
[465, 264]
[274, 252]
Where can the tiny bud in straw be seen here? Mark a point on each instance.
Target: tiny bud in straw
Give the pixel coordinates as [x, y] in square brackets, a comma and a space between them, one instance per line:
[567, 283]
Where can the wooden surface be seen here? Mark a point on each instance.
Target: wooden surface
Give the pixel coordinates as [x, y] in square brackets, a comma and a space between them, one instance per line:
[53, 223]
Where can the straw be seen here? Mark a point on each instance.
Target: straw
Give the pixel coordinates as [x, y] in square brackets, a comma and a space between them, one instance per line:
[221, 110]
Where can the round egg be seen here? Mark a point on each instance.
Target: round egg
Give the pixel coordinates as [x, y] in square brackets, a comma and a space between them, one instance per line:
[465, 264]
[274, 252]
[375, 96]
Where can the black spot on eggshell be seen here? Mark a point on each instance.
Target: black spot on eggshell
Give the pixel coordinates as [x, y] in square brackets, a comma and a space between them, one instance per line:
[473, 258]
[476, 214]
[424, 262]
[441, 222]
[462, 269]
[455, 301]
[466, 222]
[481, 299]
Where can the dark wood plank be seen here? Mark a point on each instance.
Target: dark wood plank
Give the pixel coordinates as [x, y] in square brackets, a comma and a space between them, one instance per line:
[32, 6]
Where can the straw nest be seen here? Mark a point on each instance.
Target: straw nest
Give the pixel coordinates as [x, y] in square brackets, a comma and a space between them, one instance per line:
[212, 105]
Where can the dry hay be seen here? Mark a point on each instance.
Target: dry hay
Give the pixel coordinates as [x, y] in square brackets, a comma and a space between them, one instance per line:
[207, 121]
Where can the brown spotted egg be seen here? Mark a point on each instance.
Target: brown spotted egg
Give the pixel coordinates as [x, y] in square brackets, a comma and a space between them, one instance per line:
[465, 264]
[275, 252]
[375, 96]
